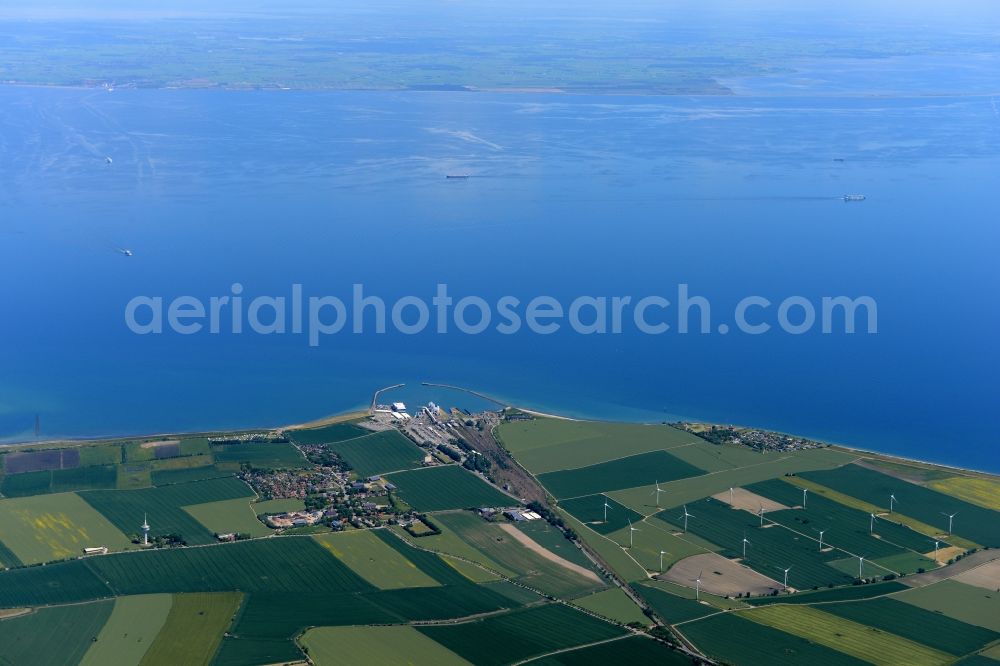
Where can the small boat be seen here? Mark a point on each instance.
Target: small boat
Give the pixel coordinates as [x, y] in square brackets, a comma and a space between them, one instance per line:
[854, 197]
[107, 160]
[126, 252]
[457, 176]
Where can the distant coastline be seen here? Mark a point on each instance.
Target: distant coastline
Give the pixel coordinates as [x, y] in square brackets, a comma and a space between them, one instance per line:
[358, 412]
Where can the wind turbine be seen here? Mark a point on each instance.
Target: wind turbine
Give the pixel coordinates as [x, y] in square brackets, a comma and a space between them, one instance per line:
[786, 577]
[730, 495]
[892, 501]
[951, 517]
[935, 551]
[631, 533]
[606, 507]
[746, 542]
[686, 516]
[821, 539]
[662, 553]
[805, 491]
[697, 587]
[761, 514]
[871, 524]
[861, 564]
[657, 492]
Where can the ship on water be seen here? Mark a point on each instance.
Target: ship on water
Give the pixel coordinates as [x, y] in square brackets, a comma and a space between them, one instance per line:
[854, 197]
[457, 176]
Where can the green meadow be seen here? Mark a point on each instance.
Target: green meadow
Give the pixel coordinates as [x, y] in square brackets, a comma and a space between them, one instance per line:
[446, 487]
[370, 557]
[43, 528]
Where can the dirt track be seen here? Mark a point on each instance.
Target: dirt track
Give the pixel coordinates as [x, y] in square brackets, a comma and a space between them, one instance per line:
[719, 576]
[536, 548]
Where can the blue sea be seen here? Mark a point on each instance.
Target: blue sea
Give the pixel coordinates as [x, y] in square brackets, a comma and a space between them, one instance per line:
[568, 196]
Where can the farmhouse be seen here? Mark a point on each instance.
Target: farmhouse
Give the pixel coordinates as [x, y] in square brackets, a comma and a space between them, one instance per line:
[97, 550]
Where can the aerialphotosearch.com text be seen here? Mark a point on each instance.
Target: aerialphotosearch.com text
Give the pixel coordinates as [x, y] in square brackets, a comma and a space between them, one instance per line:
[318, 317]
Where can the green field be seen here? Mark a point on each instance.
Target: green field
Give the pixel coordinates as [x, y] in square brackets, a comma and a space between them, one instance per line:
[629, 650]
[717, 457]
[166, 477]
[654, 536]
[130, 630]
[59, 481]
[332, 646]
[449, 542]
[590, 510]
[608, 549]
[337, 432]
[57, 636]
[984, 492]
[193, 629]
[768, 466]
[185, 462]
[771, 549]
[969, 604]
[261, 456]
[851, 593]
[638, 470]
[8, 558]
[246, 651]
[892, 548]
[735, 640]
[503, 639]
[530, 568]
[245, 565]
[132, 476]
[973, 522]
[278, 506]
[163, 506]
[61, 583]
[613, 604]
[927, 627]
[53, 527]
[105, 454]
[547, 445]
[379, 453]
[473, 572]
[375, 561]
[226, 516]
[446, 487]
[672, 608]
[553, 540]
[846, 636]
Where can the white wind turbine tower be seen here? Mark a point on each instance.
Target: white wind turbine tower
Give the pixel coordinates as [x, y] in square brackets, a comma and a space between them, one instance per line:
[935, 551]
[145, 530]
[871, 524]
[606, 507]
[631, 533]
[821, 532]
[951, 517]
[686, 516]
[892, 501]
[746, 542]
[662, 553]
[861, 564]
[786, 577]
[656, 491]
[760, 513]
[697, 587]
[730, 495]
[805, 492]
